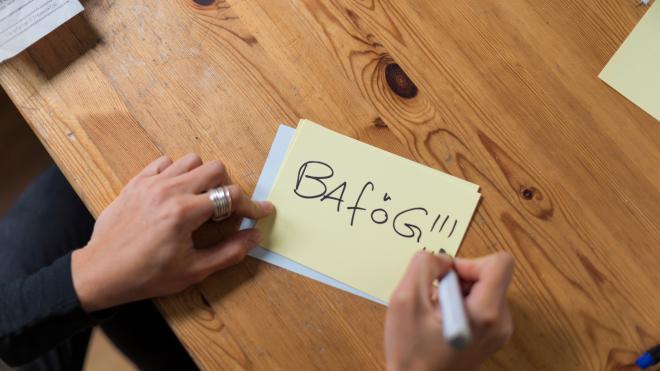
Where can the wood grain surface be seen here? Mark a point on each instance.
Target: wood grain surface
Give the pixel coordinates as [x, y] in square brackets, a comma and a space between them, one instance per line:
[502, 93]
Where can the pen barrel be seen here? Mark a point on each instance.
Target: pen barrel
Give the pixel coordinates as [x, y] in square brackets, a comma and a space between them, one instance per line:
[455, 324]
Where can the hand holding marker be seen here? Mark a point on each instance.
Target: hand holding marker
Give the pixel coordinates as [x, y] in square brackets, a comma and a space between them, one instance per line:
[479, 322]
[456, 327]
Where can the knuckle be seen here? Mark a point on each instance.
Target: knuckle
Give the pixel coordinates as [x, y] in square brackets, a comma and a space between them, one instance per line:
[133, 184]
[216, 167]
[500, 337]
[159, 192]
[235, 193]
[183, 283]
[505, 333]
[197, 277]
[236, 257]
[187, 244]
[176, 210]
[167, 189]
[129, 190]
[193, 158]
[505, 259]
[487, 317]
[421, 257]
[400, 298]
[167, 160]
[138, 185]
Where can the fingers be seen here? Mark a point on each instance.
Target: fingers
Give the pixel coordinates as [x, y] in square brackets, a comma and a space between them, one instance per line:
[199, 208]
[472, 269]
[228, 252]
[243, 206]
[417, 283]
[430, 267]
[197, 178]
[491, 276]
[496, 268]
[205, 177]
[156, 167]
[183, 165]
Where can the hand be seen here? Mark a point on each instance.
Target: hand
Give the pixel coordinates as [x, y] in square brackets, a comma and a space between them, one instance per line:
[413, 328]
[142, 243]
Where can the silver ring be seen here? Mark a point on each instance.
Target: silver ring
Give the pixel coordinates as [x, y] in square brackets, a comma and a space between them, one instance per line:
[221, 201]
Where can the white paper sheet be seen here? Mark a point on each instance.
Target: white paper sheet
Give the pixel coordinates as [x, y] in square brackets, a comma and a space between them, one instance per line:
[271, 167]
[23, 22]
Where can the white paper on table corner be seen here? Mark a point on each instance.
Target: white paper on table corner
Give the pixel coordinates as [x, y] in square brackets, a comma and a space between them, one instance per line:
[23, 22]
[274, 160]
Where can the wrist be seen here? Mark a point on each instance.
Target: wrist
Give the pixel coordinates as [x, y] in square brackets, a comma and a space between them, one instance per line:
[89, 289]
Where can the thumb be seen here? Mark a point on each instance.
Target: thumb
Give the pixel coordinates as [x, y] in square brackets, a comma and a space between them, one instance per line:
[424, 268]
[230, 251]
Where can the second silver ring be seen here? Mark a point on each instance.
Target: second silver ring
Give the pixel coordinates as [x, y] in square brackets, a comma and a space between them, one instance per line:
[221, 200]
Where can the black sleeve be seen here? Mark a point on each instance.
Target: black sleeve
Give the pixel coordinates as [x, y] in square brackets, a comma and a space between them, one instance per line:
[39, 311]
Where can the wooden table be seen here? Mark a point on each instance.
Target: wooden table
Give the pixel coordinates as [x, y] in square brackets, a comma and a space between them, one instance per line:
[501, 93]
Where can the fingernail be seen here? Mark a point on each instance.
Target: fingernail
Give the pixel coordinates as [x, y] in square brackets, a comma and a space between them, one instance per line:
[444, 256]
[266, 206]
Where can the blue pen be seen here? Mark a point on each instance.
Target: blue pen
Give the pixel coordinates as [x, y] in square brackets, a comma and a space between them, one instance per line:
[649, 358]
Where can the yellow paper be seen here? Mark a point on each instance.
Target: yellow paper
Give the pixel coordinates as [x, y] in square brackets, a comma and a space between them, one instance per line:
[365, 244]
[634, 70]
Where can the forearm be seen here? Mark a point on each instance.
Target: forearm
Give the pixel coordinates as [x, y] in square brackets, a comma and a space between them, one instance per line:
[38, 312]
